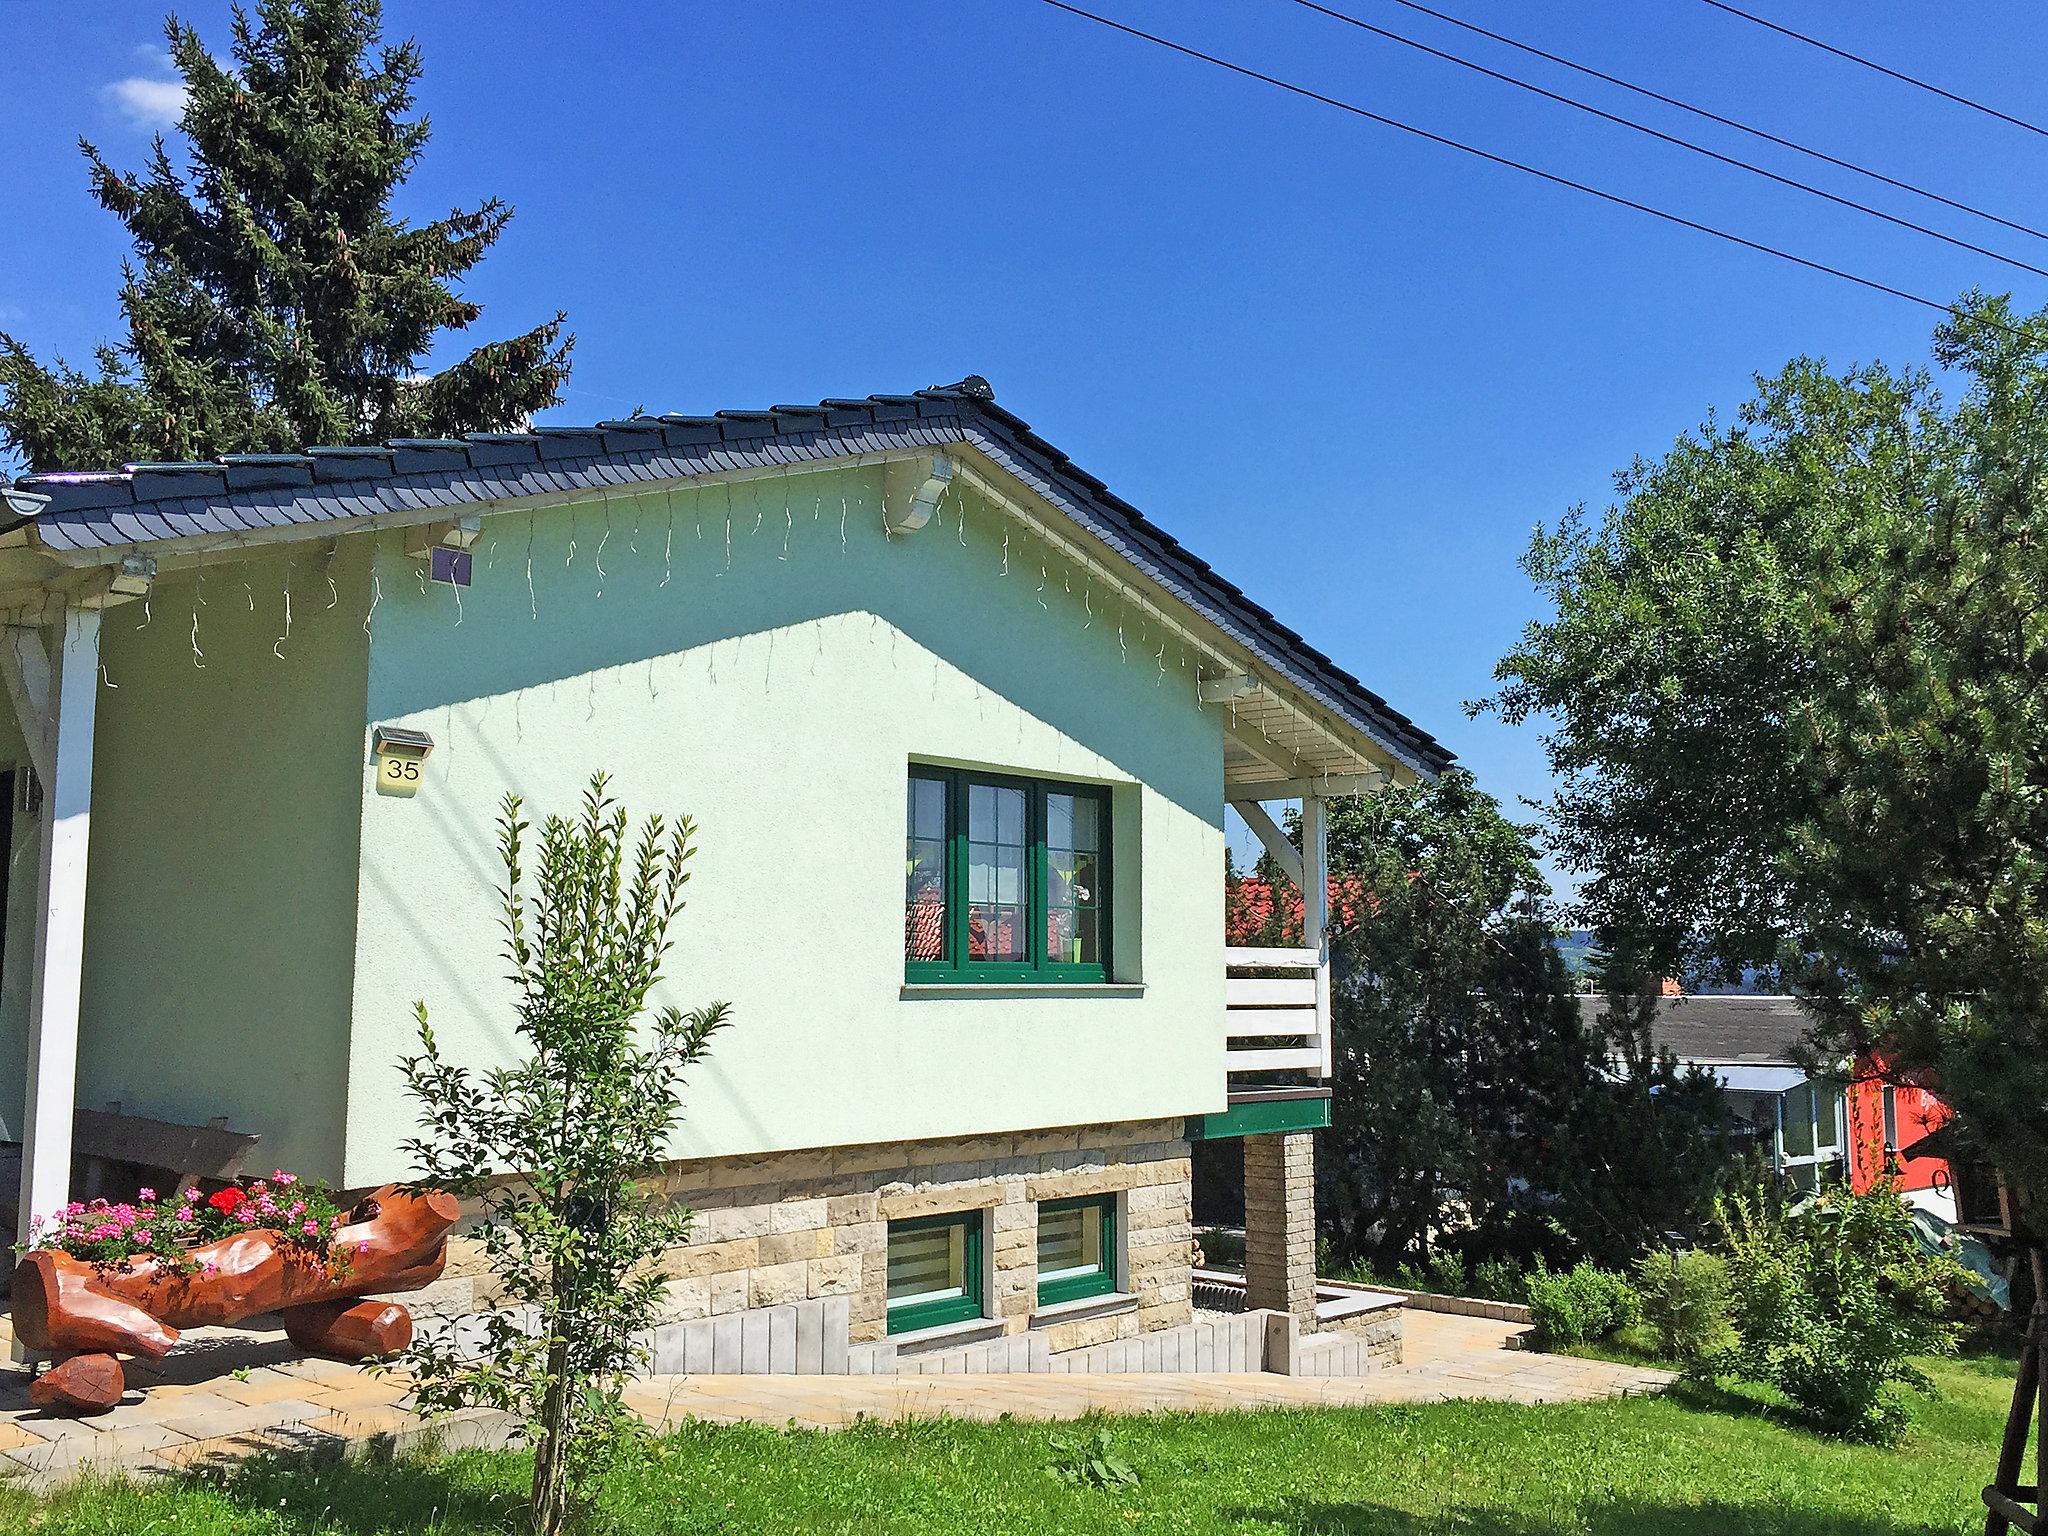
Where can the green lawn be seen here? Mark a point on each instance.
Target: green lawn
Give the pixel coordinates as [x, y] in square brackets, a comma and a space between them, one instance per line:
[1674, 1467]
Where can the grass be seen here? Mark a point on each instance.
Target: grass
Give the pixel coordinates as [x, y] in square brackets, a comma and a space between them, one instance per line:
[1687, 1465]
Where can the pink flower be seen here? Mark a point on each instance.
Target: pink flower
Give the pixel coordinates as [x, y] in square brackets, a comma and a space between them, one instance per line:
[311, 1229]
[142, 1234]
[147, 1194]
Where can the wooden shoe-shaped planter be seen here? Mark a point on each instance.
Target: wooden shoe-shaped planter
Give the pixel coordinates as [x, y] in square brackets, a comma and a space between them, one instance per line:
[394, 1240]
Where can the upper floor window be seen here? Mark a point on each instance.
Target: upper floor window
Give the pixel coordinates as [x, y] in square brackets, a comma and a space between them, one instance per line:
[1007, 879]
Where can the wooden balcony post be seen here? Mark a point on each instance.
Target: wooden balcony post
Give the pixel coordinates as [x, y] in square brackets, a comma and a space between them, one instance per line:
[60, 700]
[1315, 912]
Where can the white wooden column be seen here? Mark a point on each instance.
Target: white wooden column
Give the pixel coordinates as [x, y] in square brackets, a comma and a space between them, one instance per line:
[59, 959]
[1315, 911]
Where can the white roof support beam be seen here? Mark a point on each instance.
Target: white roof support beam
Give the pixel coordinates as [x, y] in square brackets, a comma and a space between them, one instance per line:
[59, 961]
[25, 664]
[1229, 688]
[1327, 786]
[1283, 852]
[1270, 753]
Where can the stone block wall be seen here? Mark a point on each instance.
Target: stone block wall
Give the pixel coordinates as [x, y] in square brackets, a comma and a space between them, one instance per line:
[787, 1227]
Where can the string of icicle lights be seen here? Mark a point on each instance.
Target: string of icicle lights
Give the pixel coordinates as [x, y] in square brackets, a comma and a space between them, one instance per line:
[711, 514]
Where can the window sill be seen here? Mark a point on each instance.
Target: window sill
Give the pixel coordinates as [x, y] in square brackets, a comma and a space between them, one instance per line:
[923, 989]
[1082, 1308]
[917, 1341]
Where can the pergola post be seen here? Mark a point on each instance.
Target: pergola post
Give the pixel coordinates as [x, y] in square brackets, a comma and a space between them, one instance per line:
[61, 722]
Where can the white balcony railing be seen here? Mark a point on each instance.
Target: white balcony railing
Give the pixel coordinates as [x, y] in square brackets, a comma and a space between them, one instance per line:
[1276, 1014]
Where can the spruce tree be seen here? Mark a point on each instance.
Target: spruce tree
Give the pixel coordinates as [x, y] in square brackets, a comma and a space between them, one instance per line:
[274, 299]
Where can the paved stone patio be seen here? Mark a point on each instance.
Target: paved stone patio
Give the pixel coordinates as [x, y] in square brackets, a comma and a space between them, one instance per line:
[224, 1395]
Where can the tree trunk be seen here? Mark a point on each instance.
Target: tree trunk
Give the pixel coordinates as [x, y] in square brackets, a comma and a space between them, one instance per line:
[549, 1500]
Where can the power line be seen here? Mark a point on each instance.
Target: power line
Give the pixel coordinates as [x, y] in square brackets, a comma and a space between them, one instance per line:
[1726, 122]
[1514, 165]
[1882, 69]
[1667, 138]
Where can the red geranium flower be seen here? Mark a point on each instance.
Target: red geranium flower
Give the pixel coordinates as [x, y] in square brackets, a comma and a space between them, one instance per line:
[227, 1201]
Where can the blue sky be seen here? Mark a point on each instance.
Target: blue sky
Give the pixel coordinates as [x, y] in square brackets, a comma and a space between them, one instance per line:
[1351, 369]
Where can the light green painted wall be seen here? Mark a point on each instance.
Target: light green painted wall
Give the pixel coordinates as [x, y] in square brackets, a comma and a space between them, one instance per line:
[221, 883]
[742, 659]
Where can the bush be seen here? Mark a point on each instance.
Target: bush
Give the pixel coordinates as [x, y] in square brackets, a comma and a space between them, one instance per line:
[1499, 1280]
[1685, 1298]
[1581, 1303]
[1832, 1299]
[1446, 1274]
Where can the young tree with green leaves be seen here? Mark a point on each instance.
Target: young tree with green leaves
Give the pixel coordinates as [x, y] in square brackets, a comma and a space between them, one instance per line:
[1796, 682]
[556, 1148]
[274, 299]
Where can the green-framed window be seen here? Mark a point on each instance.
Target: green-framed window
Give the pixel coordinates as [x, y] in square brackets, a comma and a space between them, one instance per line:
[1076, 1249]
[1006, 879]
[934, 1271]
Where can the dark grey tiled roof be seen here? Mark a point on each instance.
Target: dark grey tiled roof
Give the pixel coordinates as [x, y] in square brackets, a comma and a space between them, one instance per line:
[1763, 1031]
[143, 503]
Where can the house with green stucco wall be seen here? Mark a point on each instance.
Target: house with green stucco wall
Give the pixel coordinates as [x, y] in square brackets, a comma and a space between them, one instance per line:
[958, 727]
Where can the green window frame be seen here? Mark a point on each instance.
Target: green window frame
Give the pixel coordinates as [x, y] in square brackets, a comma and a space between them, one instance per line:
[1098, 1213]
[942, 863]
[909, 1312]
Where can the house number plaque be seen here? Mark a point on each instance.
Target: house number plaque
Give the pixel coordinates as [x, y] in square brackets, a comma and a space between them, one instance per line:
[401, 756]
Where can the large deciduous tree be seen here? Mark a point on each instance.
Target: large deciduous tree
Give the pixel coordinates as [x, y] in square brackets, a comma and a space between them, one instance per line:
[1797, 686]
[274, 299]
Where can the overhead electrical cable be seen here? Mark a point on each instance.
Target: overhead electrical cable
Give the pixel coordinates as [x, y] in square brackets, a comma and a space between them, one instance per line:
[1502, 160]
[1669, 138]
[1726, 122]
[1882, 69]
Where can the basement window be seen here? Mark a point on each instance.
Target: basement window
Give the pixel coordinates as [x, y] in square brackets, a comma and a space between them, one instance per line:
[1076, 1249]
[1006, 879]
[934, 1271]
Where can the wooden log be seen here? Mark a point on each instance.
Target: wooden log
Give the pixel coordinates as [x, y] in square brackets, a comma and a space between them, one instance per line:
[82, 1385]
[2011, 1513]
[395, 1240]
[349, 1330]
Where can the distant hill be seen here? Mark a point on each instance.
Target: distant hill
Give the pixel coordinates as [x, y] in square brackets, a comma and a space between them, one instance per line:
[1575, 948]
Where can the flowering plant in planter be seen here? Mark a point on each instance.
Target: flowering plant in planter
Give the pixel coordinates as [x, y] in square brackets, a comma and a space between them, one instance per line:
[113, 1236]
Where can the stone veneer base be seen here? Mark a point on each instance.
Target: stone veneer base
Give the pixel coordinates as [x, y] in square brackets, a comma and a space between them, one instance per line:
[783, 1228]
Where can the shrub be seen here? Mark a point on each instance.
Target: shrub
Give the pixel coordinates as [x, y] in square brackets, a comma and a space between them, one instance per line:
[1685, 1298]
[1446, 1274]
[1581, 1303]
[1499, 1280]
[1832, 1300]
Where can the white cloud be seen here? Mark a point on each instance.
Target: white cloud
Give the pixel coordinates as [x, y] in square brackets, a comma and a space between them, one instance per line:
[147, 103]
